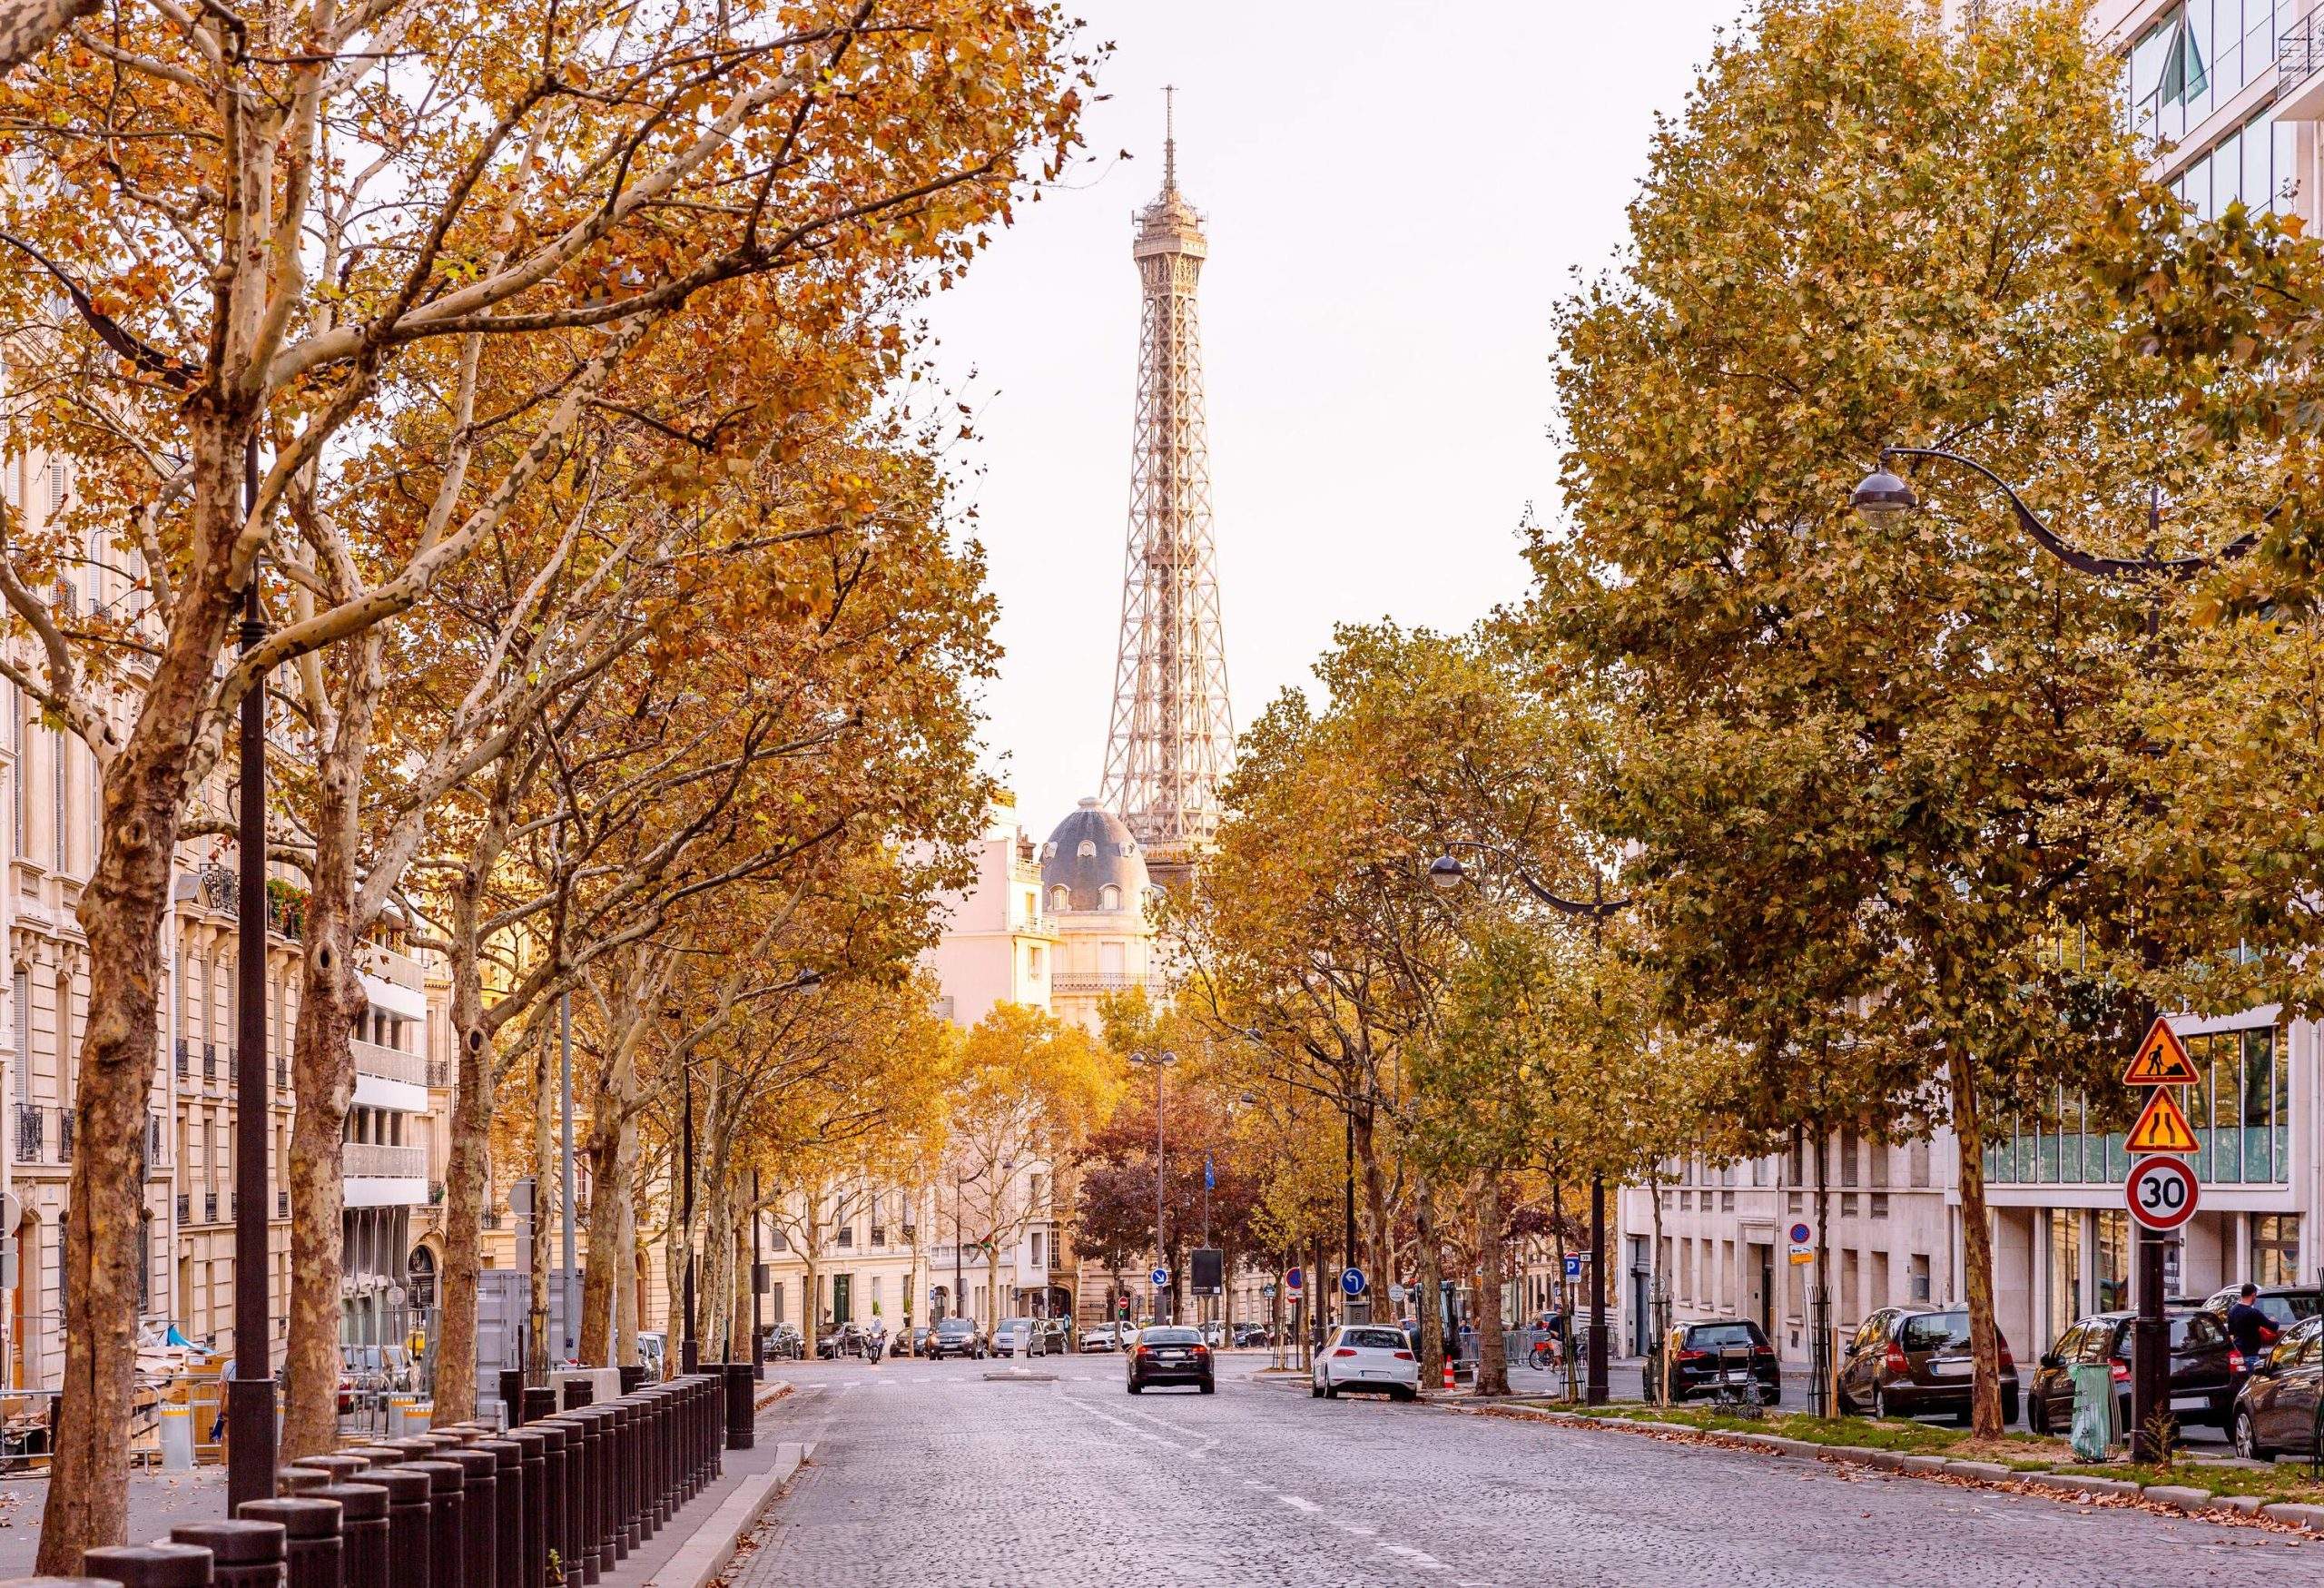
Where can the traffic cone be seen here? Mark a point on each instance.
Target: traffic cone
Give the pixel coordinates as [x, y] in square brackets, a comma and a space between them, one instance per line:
[1447, 1373]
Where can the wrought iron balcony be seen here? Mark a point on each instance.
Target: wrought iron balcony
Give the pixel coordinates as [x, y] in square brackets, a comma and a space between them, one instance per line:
[31, 1132]
[209, 1207]
[185, 1207]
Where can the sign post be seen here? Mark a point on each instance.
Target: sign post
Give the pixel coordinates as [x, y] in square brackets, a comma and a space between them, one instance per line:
[2161, 1192]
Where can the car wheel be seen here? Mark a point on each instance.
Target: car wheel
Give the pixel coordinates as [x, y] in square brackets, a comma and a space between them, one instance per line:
[1210, 1387]
[2037, 1417]
[1316, 1389]
[1400, 1393]
[1133, 1386]
[2247, 1438]
[1331, 1390]
[1879, 1402]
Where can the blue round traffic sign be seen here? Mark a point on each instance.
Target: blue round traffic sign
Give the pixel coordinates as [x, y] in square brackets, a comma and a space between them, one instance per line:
[1160, 1276]
[1352, 1281]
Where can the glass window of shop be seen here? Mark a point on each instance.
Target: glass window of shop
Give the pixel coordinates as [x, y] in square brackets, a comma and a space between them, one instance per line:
[2195, 57]
[2109, 1249]
[2240, 1112]
[2275, 1248]
[2066, 1269]
[2255, 162]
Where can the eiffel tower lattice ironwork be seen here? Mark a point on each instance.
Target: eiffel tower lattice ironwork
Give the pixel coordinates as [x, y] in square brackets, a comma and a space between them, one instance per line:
[1172, 738]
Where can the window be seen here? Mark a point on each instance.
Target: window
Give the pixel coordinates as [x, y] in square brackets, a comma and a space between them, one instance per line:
[1060, 899]
[1112, 960]
[2275, 1248]
[1036, 1249]
[1916, 1277]
[1085, 850]
[1109, 897]
[1848, 1157]
[1033, 962]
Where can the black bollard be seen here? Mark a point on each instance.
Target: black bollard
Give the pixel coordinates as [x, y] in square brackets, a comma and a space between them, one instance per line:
[573, 1493]
[605, 1518]
[507, 1509]
[61, 1583]
[742, 1408]
[311, 1553]
[632, 1378]
[406, 1493]
[149, 1565]
[479, 1515]
[242, 1555]
[551, 1432]
[532, 1446]
[339, 1467]
[447, 1527]
[293, 1481]
[579, 1392]
[512, 1394]
[540, 1400]
[363, 1533]
[626, 1473]
[378, 1456]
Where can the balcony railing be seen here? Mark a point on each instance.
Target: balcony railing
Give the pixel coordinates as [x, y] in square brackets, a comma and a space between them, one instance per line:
[209, 1207]
[281, 1074]
[377, 1158]
[393, 966]
[1103, 981]
[209, 1063]
[388, 1064]
[185, 1207]
[218, 889]
[185, 1059]
[283, 1204]
[32, 1134]
[439, 1073]
[2300, 51]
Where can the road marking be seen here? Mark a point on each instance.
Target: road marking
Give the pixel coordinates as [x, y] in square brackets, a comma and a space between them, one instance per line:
[1418, 1557]
[1297, 1503]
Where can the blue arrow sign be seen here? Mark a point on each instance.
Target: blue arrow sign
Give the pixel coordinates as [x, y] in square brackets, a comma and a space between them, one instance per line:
[1352, 1281]
[1161, 1278]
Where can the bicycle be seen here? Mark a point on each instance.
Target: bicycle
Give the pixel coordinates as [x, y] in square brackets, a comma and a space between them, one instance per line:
[1543, 1356]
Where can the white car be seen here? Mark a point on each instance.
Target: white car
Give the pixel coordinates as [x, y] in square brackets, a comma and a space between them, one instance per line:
[1100, 1338]
[1367, 1357]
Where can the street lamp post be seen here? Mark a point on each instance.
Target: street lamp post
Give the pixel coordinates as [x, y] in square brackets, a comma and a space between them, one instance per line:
[1160, 1063]
[758, 1324]
[249, 1403]
[1883, 496]
[690, 1352]
[1446, 874]
[565, 1108]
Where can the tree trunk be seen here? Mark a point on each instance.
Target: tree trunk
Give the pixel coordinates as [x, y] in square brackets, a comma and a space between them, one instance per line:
[1493, 1356]
[1375, 1233]
[465, 1166]
[811, 1309]
[1431, 1307]
[605, 1264]
[331, 997]
[629, 1287]
[1977, 1252]
[120, 913]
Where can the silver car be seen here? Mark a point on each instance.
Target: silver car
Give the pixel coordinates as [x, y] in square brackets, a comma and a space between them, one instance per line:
[1020, 1337]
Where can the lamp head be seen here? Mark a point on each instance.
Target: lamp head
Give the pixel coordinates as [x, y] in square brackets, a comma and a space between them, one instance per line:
[1882, 497]
[1445, 875]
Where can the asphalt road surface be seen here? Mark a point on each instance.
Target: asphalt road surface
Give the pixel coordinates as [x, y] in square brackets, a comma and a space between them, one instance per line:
[996, 1474]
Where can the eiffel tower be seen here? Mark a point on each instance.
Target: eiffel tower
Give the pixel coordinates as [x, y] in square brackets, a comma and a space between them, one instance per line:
[1172, 738]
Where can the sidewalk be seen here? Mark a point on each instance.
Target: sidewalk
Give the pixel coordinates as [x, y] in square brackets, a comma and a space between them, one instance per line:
[698, 1540]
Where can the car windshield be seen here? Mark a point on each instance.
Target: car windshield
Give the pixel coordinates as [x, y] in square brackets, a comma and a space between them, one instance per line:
[2289, 1308]
[1710, 1337]
[1170, 1336]
[955, 1326]
[1376, 1339]
[1937, 1331]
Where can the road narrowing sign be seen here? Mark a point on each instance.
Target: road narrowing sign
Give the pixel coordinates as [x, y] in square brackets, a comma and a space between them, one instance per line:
[2162, 1128]
[2161, 1192]
[2161, 1059]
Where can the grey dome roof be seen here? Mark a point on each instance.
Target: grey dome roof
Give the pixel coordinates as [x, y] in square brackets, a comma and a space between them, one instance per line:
[1091, 848]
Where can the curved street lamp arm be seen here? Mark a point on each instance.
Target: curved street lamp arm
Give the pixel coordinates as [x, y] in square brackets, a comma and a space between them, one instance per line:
[2074, 557]
[1581, 909]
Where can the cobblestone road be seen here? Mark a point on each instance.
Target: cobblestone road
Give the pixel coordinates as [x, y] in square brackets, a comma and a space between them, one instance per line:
[941, 1472]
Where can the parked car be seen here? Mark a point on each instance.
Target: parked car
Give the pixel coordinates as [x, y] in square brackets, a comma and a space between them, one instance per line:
[1247, 1334]
[2281, 1405]
[2285, 1306]
[652, 1350]
[916, 1343]
[956, 1337]
[783, 1343]
[1366, 1356]
[1696, 1359]
[1020, 1337]
[1059, 1335]
[2202, 1379]
[1171, 1353]
[1914, 1362]
[847, 1340]
[1100, 1338]
[1214, 1335]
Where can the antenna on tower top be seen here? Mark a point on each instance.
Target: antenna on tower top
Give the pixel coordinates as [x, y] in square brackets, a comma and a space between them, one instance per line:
[1169, 137]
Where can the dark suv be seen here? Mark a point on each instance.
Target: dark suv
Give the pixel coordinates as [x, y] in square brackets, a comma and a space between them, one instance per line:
[1914, 1362]
[956, 1337]
[2285, 1306]
[2281, 1406]
[2202, 1384]
[1701, 1353]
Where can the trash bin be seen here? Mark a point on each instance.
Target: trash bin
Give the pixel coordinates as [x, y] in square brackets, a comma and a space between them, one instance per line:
[2095, 1412]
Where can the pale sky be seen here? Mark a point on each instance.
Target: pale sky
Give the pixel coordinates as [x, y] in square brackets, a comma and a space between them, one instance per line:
[1395, 192]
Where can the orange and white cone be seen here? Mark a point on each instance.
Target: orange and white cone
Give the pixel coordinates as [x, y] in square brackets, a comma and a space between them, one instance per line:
[1447, 1373]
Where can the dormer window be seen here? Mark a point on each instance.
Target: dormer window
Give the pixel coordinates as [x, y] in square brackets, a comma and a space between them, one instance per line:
[1109, 897]
[1089, 849]
[1060, 899]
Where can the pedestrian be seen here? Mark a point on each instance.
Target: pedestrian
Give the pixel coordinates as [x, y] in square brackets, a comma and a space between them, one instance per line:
[2251, 1329]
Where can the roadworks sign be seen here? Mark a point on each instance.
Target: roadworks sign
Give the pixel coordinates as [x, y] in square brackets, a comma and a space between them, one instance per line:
[2162, 1128]
[2161, 1060]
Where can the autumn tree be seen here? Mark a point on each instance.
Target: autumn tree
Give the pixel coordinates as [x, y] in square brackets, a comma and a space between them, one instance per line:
[274, 213]
[1875, 767]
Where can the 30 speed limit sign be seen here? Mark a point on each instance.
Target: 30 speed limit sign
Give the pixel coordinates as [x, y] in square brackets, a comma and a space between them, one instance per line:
[2161, 1192]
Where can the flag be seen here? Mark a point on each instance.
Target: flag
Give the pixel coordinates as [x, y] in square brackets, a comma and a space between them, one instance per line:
[1209, 1176]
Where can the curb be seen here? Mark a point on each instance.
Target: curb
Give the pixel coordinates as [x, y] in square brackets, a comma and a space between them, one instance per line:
[2064, 1487]
[711, 1549]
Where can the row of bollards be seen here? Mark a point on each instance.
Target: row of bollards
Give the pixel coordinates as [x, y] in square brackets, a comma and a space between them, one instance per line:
[554, 1503]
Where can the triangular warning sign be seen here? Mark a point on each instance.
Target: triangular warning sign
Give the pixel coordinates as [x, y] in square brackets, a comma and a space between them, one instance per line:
[2161, 1059]
[2163, 1127]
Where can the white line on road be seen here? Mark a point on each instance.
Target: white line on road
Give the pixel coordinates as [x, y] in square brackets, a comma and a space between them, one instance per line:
[1297, 1503]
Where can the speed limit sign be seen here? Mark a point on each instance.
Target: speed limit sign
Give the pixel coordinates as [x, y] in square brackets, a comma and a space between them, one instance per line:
[2161, 1192]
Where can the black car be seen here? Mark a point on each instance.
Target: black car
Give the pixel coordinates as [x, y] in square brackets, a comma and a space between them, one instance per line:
[1915, 1361]
[1170, 1354]
[956, 1337]
[2280, 1407]
[1701, 1353]
[848, 1340]
[2202, 1379]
